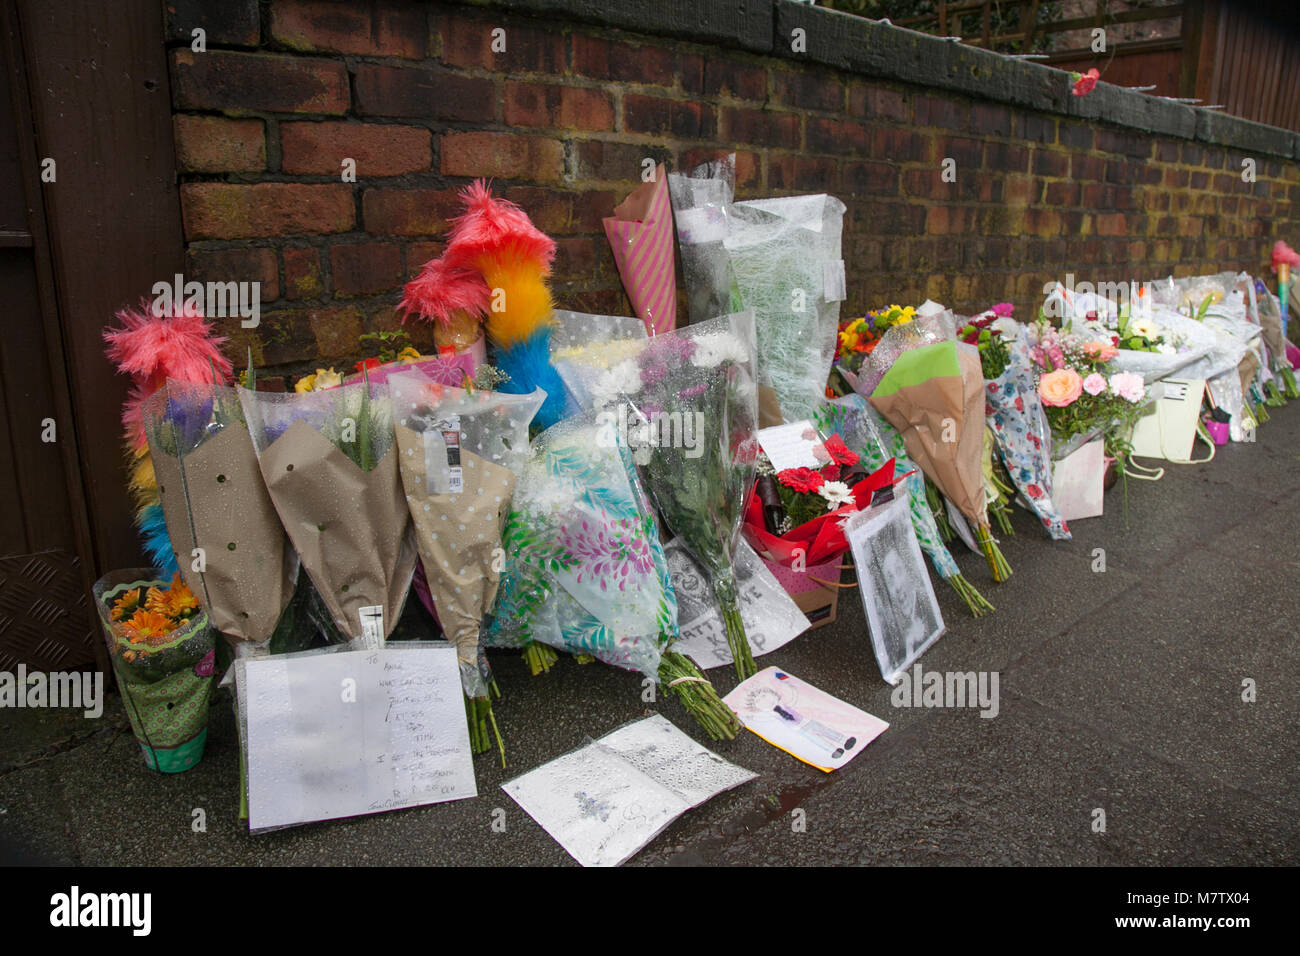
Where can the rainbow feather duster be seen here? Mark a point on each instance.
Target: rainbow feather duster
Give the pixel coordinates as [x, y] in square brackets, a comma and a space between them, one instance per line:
[441, 290]
[151, 349]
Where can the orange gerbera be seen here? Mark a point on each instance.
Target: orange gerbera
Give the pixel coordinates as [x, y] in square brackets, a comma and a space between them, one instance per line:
[126, 604]
[147, 627]
[176, 601]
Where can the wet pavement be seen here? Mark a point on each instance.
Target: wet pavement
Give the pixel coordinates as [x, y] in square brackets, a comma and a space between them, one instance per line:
[1120, 691]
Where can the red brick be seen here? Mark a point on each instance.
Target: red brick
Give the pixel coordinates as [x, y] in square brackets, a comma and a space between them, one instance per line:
[949, 220]
[599, 160]
[1050, 163]
[235, 265]
[837, 136]
[241, 82]
[359, 268]
[302, 272]
[226, 211]
[601, 302]
[1091, 168]
[562, 107]
[718, 76]
[372, 29]
[901, 145]
[762, 127]
[409, 212]
[989, 119]
[418, 253]
[1006, 157]
[560, 212]
[284, 336]
[802, 173]
[1111, 224]
[507, 155]
[809, 91]
[468, 43]
[1076, 135]
[969, 153]
[682, 119]
[603, 59]
[938, 111]
[576, 258]
[337, 332]
[866, 177]
[1166, 151]
[877, 102]
[420, 93]
[927, 184]
[210, 144]
[379, 150]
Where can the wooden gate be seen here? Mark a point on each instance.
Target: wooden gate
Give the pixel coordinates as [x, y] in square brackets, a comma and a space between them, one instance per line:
[91, 221]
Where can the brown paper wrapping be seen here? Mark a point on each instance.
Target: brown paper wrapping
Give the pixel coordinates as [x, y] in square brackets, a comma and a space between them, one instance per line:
[919, 412]
[1246, 370]
[457, 536]
[351, 527]
[769, 409]
[249, 566]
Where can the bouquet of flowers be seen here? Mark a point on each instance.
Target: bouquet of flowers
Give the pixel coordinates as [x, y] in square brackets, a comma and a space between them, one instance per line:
[701, 200]
[461, 453]
[692, 401]
[876, 442]
[1080, 400]
[855, 341]
[584, 347]
[785, 255]
[930, 387]
[585, 571]
[329, 465]
[217, 507]
[163, 654]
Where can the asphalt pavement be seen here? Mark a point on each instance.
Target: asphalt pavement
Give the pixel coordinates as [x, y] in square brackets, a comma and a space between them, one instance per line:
[1120, 690]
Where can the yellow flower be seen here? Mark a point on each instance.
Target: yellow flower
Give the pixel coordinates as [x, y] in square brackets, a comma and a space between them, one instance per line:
[305, 384]
[409, 354]
[328, 378]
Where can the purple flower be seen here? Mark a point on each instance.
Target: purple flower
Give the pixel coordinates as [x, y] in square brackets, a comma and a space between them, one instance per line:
[693, 392]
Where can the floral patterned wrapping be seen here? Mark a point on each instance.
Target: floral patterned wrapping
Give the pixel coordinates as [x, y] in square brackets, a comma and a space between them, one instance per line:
[1020, 428]
[585, 571]
[876, 441]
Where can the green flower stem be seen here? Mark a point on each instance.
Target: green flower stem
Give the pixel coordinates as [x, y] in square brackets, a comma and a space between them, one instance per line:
[1271, 395]
[584, 658]
[935, 500]
[539, 658]
[724, 586]
[999, 510]
[698, 696]
[483, 727]
[1289, 386]
[993, 554]
[976, 602]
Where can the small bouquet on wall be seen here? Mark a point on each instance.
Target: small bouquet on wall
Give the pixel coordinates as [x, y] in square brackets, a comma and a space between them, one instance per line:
[163, 655]
[689, 401]
[330, 466]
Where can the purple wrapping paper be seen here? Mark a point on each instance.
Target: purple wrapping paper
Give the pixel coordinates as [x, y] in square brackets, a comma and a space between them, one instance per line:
[1019, 425]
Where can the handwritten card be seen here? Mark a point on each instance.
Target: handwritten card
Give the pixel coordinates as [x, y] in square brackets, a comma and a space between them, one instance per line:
[770, 616]
[343, 734]
[807, 723]
[796, 445]
[605, 801]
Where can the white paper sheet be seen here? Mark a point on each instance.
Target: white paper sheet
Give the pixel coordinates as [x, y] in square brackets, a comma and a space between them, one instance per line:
[355, 732]
[805, 722]
[787, 447]
[770, 616]
[1078, 482]
[605, 801]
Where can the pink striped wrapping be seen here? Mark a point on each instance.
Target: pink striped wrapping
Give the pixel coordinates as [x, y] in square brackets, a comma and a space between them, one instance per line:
[641, 234]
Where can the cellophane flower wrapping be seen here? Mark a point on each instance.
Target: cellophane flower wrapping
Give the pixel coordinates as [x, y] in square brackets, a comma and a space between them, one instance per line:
[461, 456]
[785, 255]
[701, 200]
[214, 499]
[1023, 437]
[585, 571]
[585, 346]
[876, 441]
[330, 465]
[689, 404]
[166, 684]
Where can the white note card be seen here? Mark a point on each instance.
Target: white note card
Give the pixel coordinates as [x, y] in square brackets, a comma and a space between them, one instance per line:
[355, 732]
[796, 445]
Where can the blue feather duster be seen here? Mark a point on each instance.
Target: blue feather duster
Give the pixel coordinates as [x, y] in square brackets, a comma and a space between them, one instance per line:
[528, 363]
[157, 543]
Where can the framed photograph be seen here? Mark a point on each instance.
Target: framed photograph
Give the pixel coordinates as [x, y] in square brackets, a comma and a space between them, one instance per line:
[902, 611]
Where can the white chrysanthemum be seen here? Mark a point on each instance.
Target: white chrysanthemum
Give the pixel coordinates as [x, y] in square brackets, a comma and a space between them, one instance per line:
[1145, 328]
[718, 347]
[836, 493]
[623, 379]
[1007, 327]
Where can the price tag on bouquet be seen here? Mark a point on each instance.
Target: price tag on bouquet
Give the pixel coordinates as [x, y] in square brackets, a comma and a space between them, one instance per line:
[443, 471]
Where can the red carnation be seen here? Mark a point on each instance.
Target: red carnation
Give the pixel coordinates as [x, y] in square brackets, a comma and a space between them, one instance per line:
[803, 480]
[1086, 83]
[840, 453]
[368, 364]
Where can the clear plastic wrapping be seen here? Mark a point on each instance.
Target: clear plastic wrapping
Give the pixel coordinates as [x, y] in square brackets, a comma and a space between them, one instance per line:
[584, 347]
[701, 200]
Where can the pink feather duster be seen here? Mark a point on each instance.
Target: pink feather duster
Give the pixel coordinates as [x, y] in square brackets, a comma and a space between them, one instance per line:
[495, 227]
[1284, 255]
[441, 290]
[153, 348]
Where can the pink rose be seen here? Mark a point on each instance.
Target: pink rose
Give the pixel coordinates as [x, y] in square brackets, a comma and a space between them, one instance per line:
[1094, 384]
[1128, 386]
[1100, 351]
[1061, 388]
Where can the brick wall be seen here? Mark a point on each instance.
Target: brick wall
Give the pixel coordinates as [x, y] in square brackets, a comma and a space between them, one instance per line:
[563, 119]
